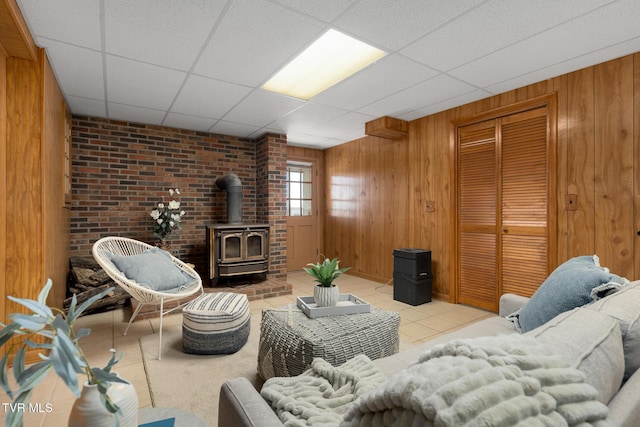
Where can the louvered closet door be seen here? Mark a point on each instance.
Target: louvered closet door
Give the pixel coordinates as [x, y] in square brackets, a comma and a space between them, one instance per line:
[477, 215]
[502, 188]
[524, 177]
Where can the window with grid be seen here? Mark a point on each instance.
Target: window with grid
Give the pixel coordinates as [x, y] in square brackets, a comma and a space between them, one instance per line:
[299, 189]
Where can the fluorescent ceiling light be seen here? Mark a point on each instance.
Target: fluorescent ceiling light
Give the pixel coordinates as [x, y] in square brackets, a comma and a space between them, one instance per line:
[330, 59]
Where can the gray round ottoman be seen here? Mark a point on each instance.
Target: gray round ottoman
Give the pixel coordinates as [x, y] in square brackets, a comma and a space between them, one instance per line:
[216, 323]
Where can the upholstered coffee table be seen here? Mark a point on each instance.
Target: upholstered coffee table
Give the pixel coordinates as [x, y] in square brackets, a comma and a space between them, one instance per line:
[289, 340]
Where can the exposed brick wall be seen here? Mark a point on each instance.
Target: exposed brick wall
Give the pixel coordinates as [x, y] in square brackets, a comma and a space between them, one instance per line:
[271, 197]
[121, 170]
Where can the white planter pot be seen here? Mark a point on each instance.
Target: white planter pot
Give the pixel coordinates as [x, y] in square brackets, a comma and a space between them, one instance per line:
[89, 411]
[326, 297]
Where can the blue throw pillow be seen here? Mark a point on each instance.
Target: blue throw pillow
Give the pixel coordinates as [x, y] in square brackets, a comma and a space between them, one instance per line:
[153, 269]
[575, 283]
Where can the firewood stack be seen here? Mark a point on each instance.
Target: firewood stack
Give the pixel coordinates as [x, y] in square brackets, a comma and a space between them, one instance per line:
[86, 279]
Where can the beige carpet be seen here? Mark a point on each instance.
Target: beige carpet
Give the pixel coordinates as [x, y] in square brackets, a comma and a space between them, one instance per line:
[192, 382]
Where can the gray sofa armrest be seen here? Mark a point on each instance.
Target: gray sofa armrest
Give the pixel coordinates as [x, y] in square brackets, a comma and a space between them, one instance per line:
[510, 303]
[240, 404]
[624, 410]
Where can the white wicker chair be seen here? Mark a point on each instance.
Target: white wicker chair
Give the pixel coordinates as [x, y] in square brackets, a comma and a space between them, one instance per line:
[124, 246]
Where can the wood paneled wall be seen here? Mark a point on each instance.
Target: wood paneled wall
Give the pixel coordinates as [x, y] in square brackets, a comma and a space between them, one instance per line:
[3, 179]
[380, 198]
[366, 205]
[57, 214]
[36, 222]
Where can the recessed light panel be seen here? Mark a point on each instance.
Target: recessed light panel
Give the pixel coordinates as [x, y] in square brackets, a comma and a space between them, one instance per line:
[330, 59]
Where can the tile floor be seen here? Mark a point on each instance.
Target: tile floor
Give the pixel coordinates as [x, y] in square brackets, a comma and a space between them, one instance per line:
[418, 324]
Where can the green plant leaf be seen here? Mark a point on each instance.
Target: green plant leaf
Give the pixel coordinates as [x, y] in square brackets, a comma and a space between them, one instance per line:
[18, 362]
[35, 306]
[87, 303]
[4, 380]
[65, 362]
[31, 322]
[70, 351]
[44, 293]
[115, 358]
[32, 344]
[61, 325]
[71, 312]
[14, 418]
[33, 375]
[83, 332]
[107, 377]
[7, 332]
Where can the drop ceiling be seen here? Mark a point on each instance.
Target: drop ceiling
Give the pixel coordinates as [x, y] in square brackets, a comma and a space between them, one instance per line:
[200, 64]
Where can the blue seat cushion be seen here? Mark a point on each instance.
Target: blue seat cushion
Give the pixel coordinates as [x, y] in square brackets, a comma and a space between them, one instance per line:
[153, 268]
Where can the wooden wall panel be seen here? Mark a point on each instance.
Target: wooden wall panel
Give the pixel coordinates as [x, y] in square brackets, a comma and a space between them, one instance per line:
[3, 178]
[24, 255]
[56, 239]
[636, 155]
[598, 133]
[580, 147]
[366, 218]
[613, 177]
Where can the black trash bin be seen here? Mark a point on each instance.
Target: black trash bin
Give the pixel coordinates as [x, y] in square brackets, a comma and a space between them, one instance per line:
[412, 278]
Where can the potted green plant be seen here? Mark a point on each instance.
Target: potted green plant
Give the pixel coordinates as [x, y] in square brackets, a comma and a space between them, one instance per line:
[64, 355]
[326, 293]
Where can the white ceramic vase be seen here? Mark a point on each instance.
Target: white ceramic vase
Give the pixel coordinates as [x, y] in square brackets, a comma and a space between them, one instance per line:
[89, 411]
[326, 296]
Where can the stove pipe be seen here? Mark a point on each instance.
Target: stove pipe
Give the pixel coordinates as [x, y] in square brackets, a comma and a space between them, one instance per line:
[231, 183]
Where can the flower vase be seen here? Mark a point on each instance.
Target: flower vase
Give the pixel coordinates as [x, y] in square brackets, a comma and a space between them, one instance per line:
[326, 296]
[164, 244]
[89, 411]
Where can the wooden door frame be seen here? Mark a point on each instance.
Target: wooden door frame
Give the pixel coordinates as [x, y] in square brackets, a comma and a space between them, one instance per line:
[550, 103]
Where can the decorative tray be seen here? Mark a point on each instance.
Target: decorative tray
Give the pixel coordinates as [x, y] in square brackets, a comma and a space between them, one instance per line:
[347, 304]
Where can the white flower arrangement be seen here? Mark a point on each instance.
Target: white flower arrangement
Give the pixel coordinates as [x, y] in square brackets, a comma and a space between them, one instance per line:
[167, 217]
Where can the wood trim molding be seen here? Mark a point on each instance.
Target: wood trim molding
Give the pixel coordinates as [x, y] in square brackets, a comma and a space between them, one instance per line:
[387, 127]
[15, 38]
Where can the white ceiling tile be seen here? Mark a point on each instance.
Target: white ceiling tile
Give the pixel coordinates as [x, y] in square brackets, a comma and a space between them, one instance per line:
[135, 83]
[579, 37]
[317, 142]
[307, 116]
[168, 33]
[570, 65]
[350, 122]
[429, 92]
[391, 74]
[254, 40]
[135, 114]
[205, 97]
[326, 10]
[160, 69]
[79, 70]
[262, 107]
[493, 25]
[392, 24]
[456, 101]
[183, 121]
[356, 134]
[70, 21]
[86, 106]
[235, 129]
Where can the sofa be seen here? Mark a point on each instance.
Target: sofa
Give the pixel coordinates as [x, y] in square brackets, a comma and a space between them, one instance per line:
[601, 339]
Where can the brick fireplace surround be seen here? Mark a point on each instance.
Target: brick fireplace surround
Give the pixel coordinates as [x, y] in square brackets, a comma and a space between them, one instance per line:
[121, 170]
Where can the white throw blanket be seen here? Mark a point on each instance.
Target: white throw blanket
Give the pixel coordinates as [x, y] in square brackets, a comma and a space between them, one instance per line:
[322, 394]
[508, 380]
